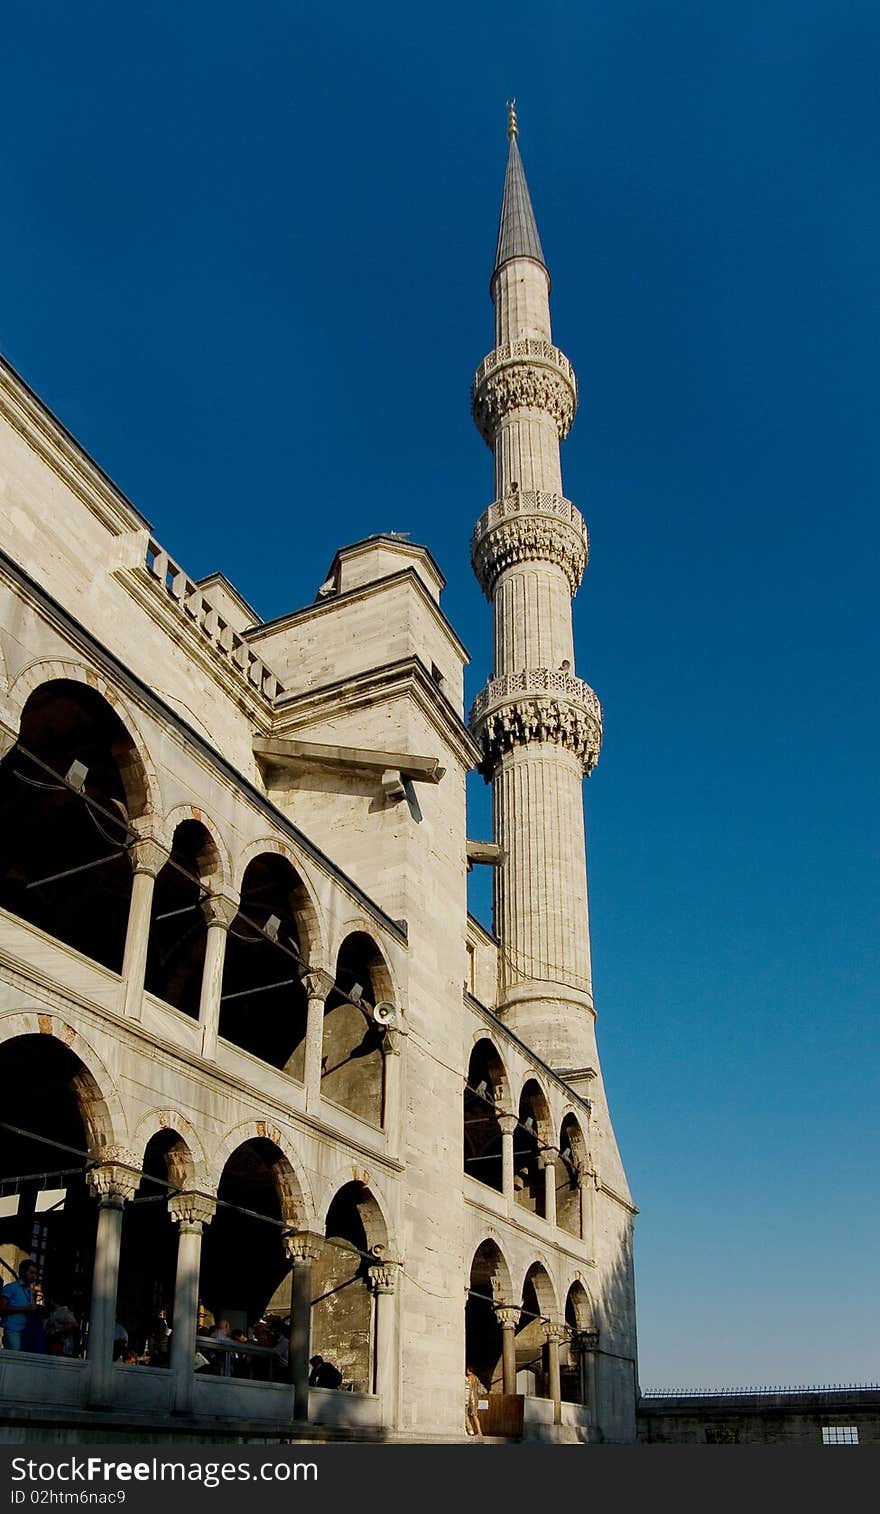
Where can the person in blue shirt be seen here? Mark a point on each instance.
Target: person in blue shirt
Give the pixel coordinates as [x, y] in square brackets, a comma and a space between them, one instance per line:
[20, 1308]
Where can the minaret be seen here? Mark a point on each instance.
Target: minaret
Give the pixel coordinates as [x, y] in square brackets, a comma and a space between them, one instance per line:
[539, 726]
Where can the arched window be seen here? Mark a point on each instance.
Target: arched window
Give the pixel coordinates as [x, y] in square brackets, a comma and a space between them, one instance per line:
[178, 928]
[342, 1317]
[263, 1003]
[483, 1100]
[352, 1064]
[529, 1138]
[488, 1282]
[68, 789]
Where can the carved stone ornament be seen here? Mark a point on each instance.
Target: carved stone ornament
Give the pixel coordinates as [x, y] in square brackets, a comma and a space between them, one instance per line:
[519, 533]
[523, 385]
[507, 1314]
[147, 856]
[587, 1340]
[382, 1278]
[301, 1246]
[555, 1332]
[317, 982]
[220, 909]
[117, 1177]
[540, 705]
[192, 1208]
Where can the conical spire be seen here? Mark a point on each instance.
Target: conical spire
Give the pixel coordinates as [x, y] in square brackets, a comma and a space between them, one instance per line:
[517, 229]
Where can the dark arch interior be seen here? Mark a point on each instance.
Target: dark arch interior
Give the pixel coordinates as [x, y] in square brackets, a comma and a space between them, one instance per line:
[50, 1214]
[243, 1260]
[352, 1070]
[481, 1328]
[178, 928]
[482, 1131]
[263, 1003]
[531, 1348]
[63, 863]
[148, 1258]
[528, 1176]
[568, 1198]
[342, 1316]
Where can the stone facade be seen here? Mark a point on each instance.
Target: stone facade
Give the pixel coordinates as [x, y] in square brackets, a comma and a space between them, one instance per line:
[240, 984]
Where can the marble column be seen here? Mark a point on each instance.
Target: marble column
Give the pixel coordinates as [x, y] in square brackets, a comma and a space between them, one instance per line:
[302, 1249]
[588, 1348]
[507, 1316]
[508, 1123]
[219, 911]
[113, 1183]
[148, 858]
[317, 984]
[192, 1212]
[381, 1279]
[553, 1334]
[547, 1161]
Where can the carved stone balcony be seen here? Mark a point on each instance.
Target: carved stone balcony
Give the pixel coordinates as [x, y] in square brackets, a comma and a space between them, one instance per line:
[537, 705]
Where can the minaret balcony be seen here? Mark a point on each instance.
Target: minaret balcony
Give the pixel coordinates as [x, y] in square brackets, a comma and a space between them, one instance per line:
[530, 526]
[525, 374]
[537, 705]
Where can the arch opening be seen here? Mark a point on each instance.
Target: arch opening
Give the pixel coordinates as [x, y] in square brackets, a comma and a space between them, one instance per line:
[148, 1255]
[572, 1162]
[64, 865]
[532, 1364]
[489, 1279]
[263, 1003]
[46, 1210]
[343, 1312]
[178, 929]
[529, 1138]
[352, 1060]
[483, 1097]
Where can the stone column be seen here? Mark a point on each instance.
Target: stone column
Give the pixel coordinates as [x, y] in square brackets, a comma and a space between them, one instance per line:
[318, 984]
[392, 1073]
[148, 858]
[587, 1342]
[508, 1123]
[586, 1181]
[192, 1212]
[547, 1160]
[507, 1316]
[553, 1334]
[219, 911]
[302, 1249]
[112, 1183]
[381, 1280]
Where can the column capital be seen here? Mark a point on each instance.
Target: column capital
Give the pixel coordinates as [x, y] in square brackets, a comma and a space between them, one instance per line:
[317, 982]
[220, 909]
[587, 1340]
[507, 1314]
[192, 1209]
[382, 1277]
[148, 855]
[116, 1177]
[301, 1246]
[554, 1332]
[508, 1123]
[548, 1156]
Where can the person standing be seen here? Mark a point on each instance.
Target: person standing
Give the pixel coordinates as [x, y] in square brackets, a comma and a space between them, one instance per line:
[20, 1307]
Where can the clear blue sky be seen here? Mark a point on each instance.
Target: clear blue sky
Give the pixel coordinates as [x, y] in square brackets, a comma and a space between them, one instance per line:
[245, 258]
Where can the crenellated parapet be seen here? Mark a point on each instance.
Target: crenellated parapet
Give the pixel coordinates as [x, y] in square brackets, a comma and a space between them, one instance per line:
[530, 526]
[524, 374]
[533, 706]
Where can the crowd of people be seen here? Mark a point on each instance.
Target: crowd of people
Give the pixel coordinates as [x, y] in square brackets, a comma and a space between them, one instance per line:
[31, 1323]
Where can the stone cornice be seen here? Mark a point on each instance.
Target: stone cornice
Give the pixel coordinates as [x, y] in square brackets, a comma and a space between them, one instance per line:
[537, 705]
[525, 374]
[529, 526]
[50, 440]
[271, 628]
[303, 712]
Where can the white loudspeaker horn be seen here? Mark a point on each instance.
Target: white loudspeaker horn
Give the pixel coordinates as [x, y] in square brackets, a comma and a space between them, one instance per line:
[385, 1015]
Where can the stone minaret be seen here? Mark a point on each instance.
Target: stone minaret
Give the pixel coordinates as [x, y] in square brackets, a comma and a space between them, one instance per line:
[539, 726]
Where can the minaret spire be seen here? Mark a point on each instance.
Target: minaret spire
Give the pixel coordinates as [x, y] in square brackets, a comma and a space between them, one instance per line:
[517, 228]
[539, 726]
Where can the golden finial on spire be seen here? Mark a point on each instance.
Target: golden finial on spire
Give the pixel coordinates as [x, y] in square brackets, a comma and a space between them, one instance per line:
[512, 128]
